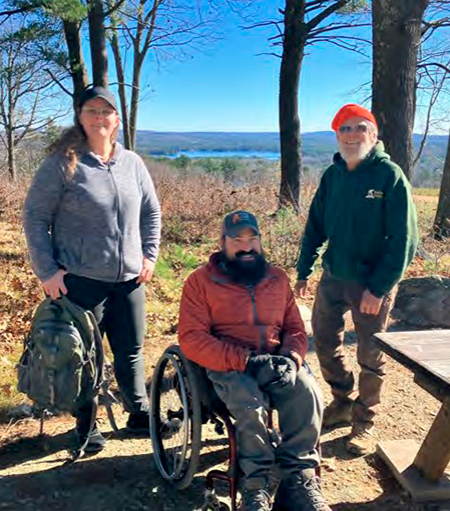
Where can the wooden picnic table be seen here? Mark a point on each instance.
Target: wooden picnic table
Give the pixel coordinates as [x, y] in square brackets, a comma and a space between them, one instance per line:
[422, 469]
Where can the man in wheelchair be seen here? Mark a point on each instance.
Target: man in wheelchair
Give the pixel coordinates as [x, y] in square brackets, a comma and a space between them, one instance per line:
[239, 320]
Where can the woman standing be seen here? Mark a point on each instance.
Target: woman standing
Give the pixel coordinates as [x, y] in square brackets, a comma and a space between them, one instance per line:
[92, 222]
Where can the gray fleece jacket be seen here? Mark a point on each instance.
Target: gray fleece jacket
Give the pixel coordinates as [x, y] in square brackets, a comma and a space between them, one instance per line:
[97, 224]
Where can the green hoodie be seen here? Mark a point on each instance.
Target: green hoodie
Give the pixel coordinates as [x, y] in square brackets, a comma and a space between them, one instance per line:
[369, 219]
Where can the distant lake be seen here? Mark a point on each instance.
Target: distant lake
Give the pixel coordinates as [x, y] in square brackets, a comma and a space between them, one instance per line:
[264, 155]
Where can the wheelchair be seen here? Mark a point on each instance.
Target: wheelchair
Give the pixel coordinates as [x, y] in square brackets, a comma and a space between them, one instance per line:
[182, 399]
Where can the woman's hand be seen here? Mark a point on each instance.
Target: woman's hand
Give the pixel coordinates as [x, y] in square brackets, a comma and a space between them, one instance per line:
[148, 267]
[55, 286]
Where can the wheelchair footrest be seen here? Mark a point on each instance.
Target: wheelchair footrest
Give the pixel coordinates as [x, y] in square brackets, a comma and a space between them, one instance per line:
[212, 502]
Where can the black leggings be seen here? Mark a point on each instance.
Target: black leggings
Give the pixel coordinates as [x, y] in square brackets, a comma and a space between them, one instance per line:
[120, 311]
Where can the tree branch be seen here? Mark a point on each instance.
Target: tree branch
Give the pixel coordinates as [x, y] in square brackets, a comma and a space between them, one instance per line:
[433, 99]
[53, 77]
[343, 26]
[340, 42]
[331, 9]
[25, 8]
[434, 64]
[313, 6]
[433, 25]
[264, 24]
[114, 8]
[271, 54]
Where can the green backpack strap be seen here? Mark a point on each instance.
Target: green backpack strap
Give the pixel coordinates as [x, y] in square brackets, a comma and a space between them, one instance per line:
[88, 326]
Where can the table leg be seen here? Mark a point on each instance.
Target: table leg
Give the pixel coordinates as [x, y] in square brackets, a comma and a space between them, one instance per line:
[434, 453]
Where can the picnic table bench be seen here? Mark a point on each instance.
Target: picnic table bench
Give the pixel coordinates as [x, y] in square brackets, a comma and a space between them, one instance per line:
[422, 470]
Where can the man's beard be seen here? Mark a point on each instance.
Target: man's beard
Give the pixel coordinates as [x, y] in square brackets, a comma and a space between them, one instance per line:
[352, 157]
[245, 272]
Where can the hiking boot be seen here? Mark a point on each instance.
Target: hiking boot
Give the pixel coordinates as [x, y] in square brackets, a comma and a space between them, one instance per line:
[300, 493]
[337, 413]
[96, 441]
[256, 500]
[139, 423]
[361, 440]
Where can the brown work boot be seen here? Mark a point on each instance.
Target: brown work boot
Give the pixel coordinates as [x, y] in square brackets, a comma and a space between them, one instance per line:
[337, 413]
[361, 440]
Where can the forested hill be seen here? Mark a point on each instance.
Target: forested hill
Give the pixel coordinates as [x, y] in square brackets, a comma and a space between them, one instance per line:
[165, 143]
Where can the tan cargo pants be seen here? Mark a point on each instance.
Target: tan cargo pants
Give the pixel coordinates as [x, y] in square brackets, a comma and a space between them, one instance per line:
[333, 299]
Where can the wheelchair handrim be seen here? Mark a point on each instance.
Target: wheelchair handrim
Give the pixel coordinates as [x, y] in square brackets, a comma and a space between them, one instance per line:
[158, 450]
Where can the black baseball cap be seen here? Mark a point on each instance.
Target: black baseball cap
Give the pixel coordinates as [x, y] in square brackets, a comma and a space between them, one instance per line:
[234, 222]
[98, 92]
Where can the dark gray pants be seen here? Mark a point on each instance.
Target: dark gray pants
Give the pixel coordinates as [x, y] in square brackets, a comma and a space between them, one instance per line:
[120, 312]
[333, 299]
[300, 417]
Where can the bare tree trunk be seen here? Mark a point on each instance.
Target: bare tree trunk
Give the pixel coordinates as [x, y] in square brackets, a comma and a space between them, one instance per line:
[122, 95]
[135, 98]
[8, 116]
[290, 145]
[139, 56]
[97, 40]
[10, 148]
[77, 66]
[442, 220]
[396, 40]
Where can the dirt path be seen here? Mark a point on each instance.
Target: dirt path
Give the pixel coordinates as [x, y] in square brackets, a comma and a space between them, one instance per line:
[426, 198]
[123, 476]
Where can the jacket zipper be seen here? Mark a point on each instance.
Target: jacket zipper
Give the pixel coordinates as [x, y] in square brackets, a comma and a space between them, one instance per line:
[256, 320]
[119, 234]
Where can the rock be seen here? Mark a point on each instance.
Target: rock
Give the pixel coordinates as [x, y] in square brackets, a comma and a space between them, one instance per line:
[423, 254]
[423, 302]
[328, 464]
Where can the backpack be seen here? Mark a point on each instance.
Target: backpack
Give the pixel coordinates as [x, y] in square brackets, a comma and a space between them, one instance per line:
[62, 362]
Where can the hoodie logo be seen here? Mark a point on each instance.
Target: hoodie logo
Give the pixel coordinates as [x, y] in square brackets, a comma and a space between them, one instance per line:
[374, 194]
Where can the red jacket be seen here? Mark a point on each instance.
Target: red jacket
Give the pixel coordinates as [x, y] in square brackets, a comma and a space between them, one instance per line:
[221, 321]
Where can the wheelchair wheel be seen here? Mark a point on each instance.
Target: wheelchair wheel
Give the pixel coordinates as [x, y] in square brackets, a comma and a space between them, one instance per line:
[175, 418]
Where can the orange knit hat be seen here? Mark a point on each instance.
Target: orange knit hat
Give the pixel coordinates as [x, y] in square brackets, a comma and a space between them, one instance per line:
[349, 111]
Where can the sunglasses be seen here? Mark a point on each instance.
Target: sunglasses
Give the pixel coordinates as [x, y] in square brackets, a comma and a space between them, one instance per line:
[359, 128]
[100, 112]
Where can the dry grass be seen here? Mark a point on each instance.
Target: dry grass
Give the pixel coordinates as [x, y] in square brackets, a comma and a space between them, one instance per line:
[193, 208]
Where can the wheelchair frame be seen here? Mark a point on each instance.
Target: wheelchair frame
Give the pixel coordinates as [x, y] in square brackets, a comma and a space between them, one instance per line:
[174, 374]
[200, 404]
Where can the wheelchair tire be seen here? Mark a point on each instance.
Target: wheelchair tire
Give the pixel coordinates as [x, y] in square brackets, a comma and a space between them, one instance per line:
[175, 418]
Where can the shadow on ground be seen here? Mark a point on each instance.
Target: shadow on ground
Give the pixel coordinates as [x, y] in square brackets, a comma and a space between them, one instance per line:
[122, 483]
[393, 498]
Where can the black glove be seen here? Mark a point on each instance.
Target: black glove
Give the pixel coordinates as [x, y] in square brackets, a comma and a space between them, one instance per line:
[256, 363]
[269, 370]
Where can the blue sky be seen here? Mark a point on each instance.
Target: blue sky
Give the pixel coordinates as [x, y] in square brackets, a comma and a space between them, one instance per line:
[231, 88]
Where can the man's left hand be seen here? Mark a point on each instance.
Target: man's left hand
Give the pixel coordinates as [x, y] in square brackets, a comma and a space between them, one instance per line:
[370, 304]
[148, 268]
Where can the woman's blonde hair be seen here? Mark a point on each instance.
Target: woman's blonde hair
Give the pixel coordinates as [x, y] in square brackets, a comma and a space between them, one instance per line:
[69, 144]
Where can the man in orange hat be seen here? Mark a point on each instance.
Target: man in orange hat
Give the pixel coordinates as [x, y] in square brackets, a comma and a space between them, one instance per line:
[363, 208]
